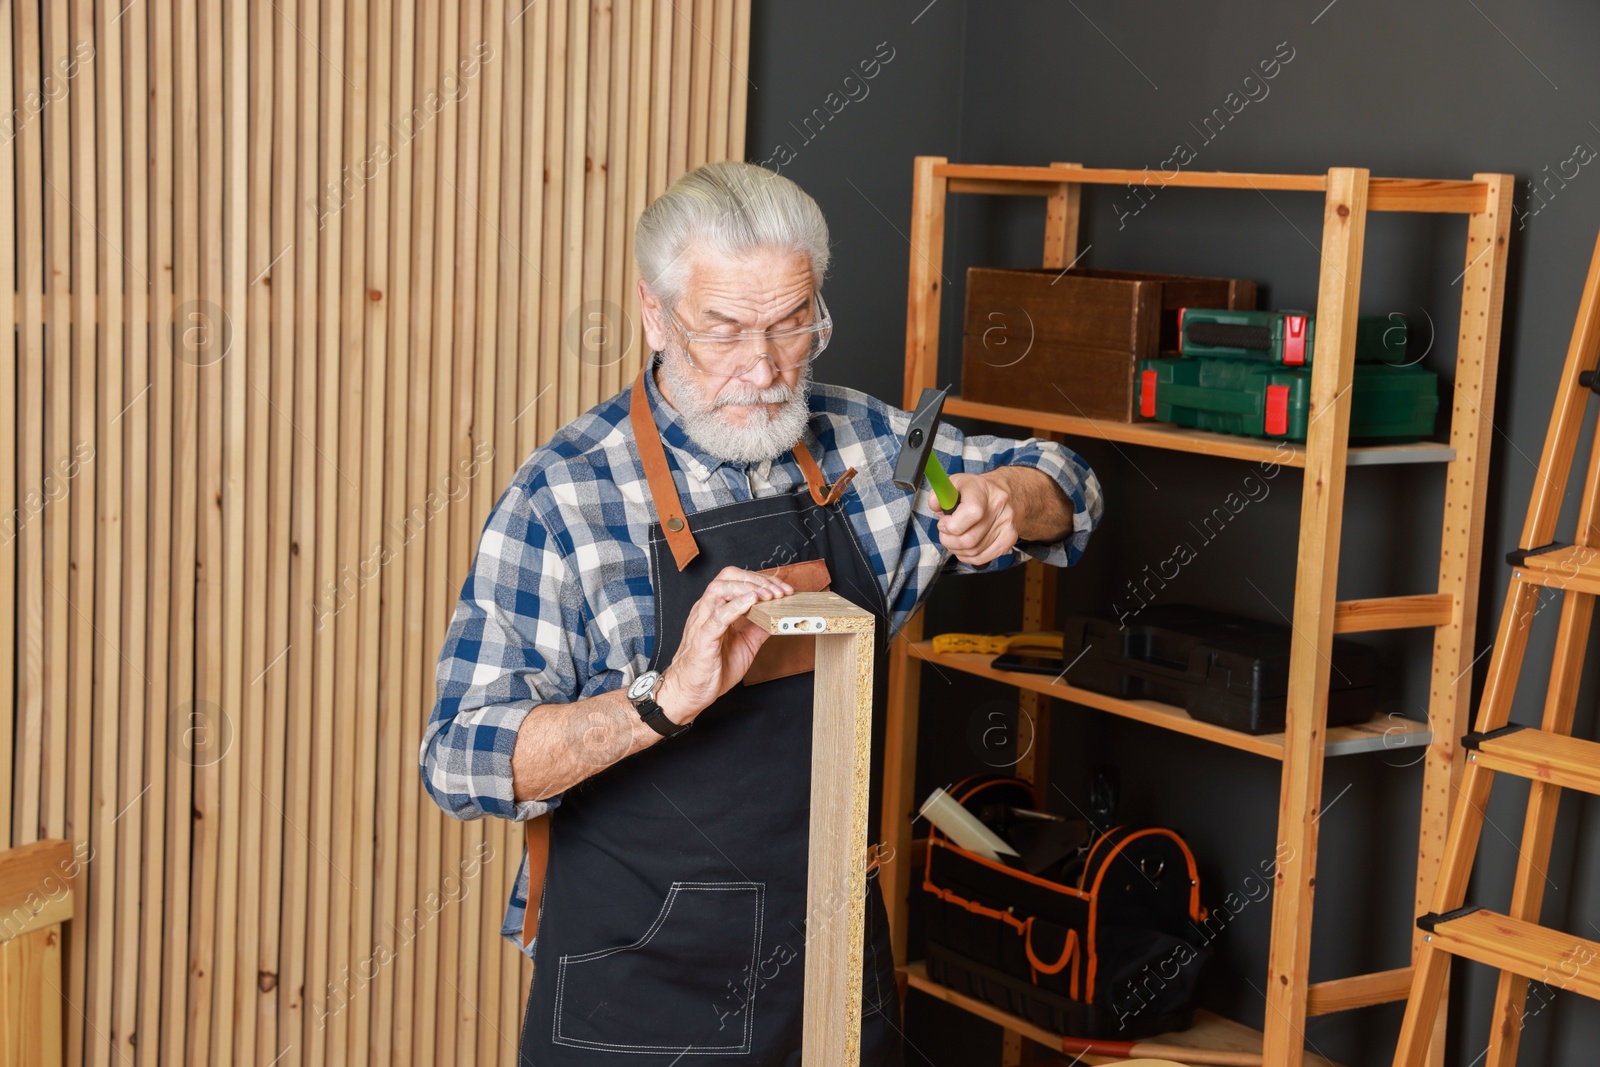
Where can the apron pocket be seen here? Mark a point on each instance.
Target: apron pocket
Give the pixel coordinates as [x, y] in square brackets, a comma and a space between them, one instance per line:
[669, 990]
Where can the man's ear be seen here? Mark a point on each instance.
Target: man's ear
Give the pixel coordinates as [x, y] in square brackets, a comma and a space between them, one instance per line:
[652, 319]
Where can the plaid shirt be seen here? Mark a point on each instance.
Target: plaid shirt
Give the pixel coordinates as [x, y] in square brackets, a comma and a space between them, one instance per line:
[558, 606]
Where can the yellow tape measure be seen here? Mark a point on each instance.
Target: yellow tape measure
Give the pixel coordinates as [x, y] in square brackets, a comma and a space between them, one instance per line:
[996, 644]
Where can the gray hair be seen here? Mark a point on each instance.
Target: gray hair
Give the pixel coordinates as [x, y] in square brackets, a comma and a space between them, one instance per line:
[729, 208]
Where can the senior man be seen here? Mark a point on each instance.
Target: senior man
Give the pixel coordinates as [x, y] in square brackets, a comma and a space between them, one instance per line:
[601, 683]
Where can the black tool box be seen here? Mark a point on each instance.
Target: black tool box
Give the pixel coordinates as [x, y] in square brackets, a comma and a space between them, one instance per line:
[1110, 942]
[1288, 338]
[1223, 669]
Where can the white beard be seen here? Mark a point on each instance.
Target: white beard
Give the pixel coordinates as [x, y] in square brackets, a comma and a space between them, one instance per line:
[761, 437]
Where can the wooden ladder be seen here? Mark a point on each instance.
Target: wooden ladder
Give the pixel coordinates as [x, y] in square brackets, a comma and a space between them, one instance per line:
[1549, 757]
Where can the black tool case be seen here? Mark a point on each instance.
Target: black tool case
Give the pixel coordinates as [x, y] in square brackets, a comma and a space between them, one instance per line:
[1224, 669]
[1109, 943]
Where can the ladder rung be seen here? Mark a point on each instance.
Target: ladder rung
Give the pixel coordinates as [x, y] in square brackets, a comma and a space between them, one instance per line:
[1518, 556]
[1569, 762]
[1575, 568]
[1561, 961]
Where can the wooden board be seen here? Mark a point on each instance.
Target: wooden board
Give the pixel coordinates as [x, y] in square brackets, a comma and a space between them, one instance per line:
[27, 780]
[10, 360]
[31, 1002]
[1321, 514]
[133, 422]
[841, 759]
[394, 64]
[1389, 194]
[81, 181]
[111, 269]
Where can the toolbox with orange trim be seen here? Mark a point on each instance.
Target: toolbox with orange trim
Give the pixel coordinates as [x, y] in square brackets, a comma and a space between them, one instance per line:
[1387, 403]
[1107, 943]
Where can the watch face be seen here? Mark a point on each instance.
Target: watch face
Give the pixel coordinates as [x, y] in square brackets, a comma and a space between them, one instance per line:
[642, 685]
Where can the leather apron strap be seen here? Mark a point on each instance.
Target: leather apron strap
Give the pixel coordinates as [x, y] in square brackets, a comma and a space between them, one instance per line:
[664, 493]
[658, 475]
[536, 837]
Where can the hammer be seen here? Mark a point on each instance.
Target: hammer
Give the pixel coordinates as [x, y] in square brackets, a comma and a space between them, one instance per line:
[917, 456]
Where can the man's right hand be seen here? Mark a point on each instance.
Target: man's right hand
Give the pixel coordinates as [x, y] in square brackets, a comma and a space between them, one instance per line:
[719, 642]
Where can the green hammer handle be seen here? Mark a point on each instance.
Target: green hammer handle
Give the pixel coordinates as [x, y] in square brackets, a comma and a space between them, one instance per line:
[941, 485]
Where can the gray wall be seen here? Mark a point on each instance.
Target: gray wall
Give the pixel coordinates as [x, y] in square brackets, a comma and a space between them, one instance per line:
[1407, 89]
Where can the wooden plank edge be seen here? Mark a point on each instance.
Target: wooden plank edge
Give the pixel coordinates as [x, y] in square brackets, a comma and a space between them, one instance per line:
[1456, 196]
[35, 886]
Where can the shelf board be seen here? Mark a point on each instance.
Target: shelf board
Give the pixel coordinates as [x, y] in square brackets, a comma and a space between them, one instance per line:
[1383, 194]
[1375, 736]
[1210, 1032]
[1178, 439]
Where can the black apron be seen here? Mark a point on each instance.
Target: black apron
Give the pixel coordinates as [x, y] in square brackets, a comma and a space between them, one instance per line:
[672, 923]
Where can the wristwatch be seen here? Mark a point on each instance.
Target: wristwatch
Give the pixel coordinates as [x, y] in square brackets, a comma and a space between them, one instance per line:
[641, 694]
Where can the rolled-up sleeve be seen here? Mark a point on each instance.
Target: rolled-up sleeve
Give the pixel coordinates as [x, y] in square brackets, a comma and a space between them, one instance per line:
[979, 454]
[512, 646]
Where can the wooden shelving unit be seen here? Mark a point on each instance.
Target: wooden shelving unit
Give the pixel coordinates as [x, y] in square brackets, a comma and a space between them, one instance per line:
[1348, 194]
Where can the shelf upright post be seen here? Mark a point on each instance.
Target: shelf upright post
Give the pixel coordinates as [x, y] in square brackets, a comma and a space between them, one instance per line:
[924, 289]
[1344, 225]
[1040, 581]
[1466, 492]
[1461, 542]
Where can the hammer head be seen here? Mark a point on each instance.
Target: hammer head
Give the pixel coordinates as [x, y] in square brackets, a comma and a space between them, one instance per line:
[918, 443]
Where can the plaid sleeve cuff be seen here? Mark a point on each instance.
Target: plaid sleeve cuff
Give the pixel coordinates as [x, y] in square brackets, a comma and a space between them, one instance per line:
[470, 777]
[982, 454]
[1068, 470]
[532, 809]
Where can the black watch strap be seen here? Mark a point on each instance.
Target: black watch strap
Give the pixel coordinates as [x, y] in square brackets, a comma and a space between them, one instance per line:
[651, 714]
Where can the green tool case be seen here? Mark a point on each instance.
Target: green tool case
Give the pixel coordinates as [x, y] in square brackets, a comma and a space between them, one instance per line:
[1282, 337]
[1262, 400]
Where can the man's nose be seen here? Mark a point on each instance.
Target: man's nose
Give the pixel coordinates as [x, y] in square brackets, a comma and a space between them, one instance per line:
[762, 373]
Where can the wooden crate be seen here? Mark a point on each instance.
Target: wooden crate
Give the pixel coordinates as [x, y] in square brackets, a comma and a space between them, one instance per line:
[1070, 341]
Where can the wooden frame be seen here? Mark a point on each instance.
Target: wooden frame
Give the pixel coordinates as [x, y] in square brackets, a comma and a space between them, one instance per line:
[36, 898]
[1349, 194]
[841, 760]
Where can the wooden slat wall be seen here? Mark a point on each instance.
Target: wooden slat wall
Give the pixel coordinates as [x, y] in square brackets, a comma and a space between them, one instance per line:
[297, 286]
